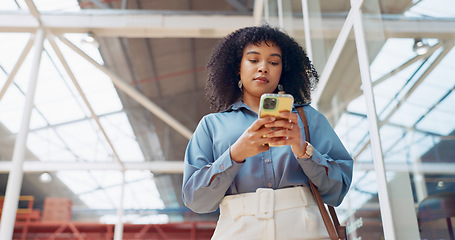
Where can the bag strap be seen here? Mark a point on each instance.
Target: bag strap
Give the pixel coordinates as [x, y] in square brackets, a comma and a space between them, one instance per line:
[333, 228]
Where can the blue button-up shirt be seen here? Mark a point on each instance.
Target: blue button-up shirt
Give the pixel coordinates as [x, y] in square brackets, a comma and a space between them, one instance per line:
[208, 156]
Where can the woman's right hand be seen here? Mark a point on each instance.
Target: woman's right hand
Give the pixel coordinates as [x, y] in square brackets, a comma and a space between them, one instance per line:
[252, 141]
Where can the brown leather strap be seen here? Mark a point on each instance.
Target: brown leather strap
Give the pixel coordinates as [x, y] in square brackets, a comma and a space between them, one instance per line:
[305, 123]
[341, 230]
[332, 227]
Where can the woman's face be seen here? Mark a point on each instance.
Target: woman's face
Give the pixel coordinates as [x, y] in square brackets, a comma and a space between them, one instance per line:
[260, 69]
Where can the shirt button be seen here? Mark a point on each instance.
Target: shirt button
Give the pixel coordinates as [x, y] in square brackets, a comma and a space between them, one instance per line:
[319, 160]
[269, 185]
[267, 160]
[222, 167]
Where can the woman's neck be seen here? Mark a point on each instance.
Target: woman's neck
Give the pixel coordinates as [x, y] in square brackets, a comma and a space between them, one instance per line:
[252, 102]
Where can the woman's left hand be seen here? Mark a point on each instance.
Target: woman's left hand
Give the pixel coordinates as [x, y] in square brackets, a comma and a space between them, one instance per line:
[288, 133]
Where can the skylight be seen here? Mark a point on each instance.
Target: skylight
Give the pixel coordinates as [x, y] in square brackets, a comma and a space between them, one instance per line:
[61, 128]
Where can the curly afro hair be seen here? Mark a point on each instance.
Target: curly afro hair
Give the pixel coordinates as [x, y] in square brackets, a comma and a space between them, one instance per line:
[298, 75]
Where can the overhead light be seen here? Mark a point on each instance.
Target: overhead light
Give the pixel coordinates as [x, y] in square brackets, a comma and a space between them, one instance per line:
[420, 46]
[91, 40]
[440, 184]
[45, 177]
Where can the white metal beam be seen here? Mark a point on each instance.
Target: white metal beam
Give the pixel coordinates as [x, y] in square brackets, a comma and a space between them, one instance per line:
[424, 167]
[152, 24]
[17, 66]
[389, 224]
[176, 167]
[170, 167]
[128, 24]
[307, 28]
[333, 58]
[133, 93]
[258, 12]
[68, 70]
[16, 173]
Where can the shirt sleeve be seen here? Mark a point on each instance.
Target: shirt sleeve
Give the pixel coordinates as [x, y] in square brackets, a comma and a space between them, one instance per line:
[206, 178]
[330, 167]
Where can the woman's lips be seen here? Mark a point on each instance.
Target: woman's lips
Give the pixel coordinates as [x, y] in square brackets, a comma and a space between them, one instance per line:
[261, 79]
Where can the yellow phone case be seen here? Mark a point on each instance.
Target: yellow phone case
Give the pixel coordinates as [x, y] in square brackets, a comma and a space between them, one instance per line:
[272, 104]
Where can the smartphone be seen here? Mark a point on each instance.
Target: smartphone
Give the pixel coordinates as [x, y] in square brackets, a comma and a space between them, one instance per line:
[273, 104]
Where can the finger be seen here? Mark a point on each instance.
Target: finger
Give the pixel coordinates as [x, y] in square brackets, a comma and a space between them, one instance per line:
[261, 122]
[264, 134]
[280, 141]
[285, 124]
[284, 133]
[292, 117]
[279, 124]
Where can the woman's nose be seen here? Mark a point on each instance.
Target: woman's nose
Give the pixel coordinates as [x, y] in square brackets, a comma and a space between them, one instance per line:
[262, 68]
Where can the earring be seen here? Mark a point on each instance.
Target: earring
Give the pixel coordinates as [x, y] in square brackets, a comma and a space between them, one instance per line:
[240, 84]
[281, 89]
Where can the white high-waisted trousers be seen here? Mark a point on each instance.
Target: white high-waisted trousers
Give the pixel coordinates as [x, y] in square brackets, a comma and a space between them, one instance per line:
[289, 213]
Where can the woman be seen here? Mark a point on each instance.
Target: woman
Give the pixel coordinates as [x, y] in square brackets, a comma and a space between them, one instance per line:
[262, 191]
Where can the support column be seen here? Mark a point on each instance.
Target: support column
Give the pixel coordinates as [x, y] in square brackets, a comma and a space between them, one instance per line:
[419, 180]
[307, 29]
[400, 189]
[378, 160]
[280, 14]
[16, 174]
[118, 232]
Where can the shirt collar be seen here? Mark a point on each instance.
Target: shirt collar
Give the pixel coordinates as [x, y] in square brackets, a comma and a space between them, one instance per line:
[240, 104]
[237, 106]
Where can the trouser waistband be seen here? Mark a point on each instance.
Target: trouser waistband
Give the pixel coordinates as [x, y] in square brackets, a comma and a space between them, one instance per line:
[265, 201]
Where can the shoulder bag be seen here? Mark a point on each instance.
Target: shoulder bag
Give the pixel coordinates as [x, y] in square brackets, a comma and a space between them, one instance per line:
[335, 230]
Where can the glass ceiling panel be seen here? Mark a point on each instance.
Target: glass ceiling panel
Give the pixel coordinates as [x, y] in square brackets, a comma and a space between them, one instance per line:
[107, 179]
[104, 101]
[418, 144]
[77, 181]
[427, 94]
[122, 137]
[11, 107]
[448, 104]
[390, 87]
[351, 129]
[90, 50]
[11, 47]
[411, 146]
[438, 122]
[56, 5]
[392, 55]
[48, 146]
[84, 142]
[98, 199]
[433, 8]
[408, 114]
[61, 111]
[390, 135]
[442, 76]
[8, 5]
[144, 195]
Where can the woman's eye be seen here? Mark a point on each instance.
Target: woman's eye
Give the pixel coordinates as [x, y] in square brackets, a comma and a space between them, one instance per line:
[274, 63]
[253, 60]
